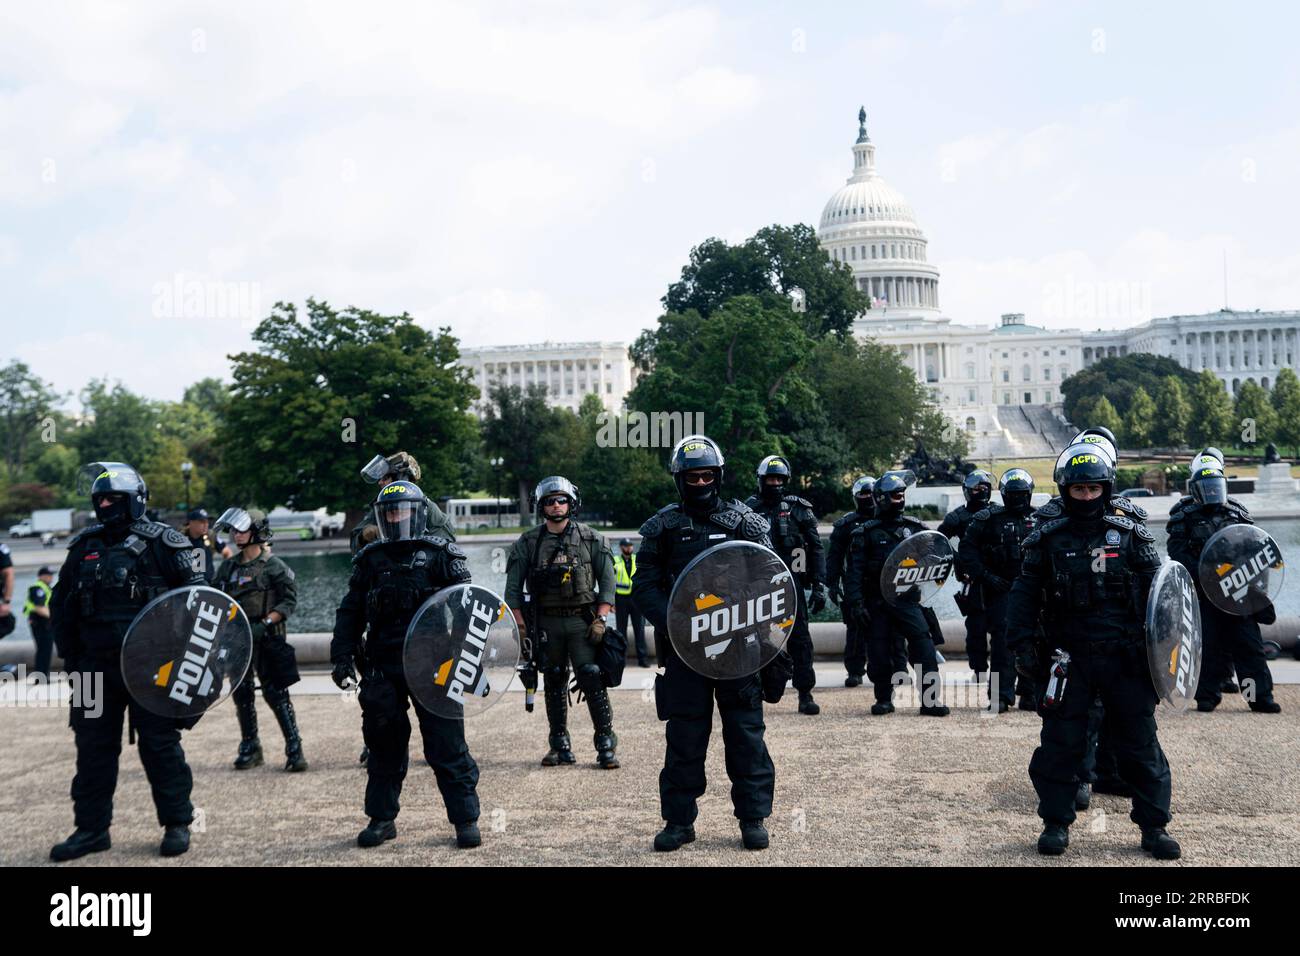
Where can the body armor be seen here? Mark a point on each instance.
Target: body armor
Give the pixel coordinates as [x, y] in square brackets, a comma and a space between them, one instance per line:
[562, 575]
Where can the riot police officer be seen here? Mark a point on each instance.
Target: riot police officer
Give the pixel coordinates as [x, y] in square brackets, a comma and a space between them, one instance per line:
[990, 559]
[381, 470]
[977, 489]
[391, 578]
[869, 546]
[1228, 640]
[265, 588]
[569, 574]
[796, 540]
[1086, 577]
[113, 569]
[683, 698]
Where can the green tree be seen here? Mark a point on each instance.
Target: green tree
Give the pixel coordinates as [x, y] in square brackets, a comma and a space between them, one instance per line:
[771, 265]
[325, 393]
[624, 484]
[1173, 413]
[1104, 416]
[122, 426]
[1286, 403]
[521, 428]
[1118, 378]
[162, 473]
[1212, 413]
[25, 402]
[1256, 421]
[1140, 420]
[20, 500]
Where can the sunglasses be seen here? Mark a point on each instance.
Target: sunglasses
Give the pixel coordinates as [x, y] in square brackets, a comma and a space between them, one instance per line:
[560, 500]
[705, 478]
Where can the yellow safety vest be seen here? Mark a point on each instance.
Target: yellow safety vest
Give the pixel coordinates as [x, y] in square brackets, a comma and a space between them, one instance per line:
[622, 576]
[28, 606]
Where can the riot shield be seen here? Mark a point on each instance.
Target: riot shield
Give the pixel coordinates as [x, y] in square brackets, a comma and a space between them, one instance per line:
[1174, 635]
[1241, 569]
[186, 651]
[917, 569]
[731, 610]
[461, 649]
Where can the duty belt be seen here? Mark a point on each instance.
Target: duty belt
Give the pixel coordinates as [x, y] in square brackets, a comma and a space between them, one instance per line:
[563, 611]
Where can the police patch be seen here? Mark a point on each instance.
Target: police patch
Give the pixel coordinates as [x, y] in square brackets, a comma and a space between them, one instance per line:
[1112, 537]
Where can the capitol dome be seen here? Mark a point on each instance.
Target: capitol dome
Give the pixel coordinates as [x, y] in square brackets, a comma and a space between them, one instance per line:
[868, 225]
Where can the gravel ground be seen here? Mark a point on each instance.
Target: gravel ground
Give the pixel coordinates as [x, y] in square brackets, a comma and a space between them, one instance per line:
[851, 789]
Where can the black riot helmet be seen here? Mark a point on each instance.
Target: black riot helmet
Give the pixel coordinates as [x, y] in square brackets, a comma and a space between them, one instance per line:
[238, 520]
[693, 453]
[552, 487]
[1085, 464]
[863, 500]
[1209, 486]
[977, 487]
[1208, 458]
[401, 511]
[1098, 435]
[121, 485]
[777, 466]
[1017, 489]
[887, 486]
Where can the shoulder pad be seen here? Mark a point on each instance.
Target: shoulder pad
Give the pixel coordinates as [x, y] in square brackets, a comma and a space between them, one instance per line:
[984, 514]
[1032, 539]
[1119, 521]
[356, 558]
[651, 527]
[728, 518]
[153, 529]
[1052, 509]
[84, 533]
[754, 524]
[443, 544]
[1237, 508]
[753, 501]
[1176, 517]
[799, 501]
[908, 519]
[1141, 531]
[869, 525]
[844, 519]
[1128, 507]
[1051, 527]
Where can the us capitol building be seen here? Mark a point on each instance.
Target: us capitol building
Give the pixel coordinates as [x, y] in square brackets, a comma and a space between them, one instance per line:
[1000, 383]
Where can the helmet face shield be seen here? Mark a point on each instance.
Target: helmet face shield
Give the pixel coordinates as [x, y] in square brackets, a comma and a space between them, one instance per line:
[1209, 487]
[400, 520]
[234, 519]
[121, 483]
[376, 470]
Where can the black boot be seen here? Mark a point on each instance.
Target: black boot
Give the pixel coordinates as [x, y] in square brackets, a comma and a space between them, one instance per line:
[882, 707]
[673, 836]
[1269, 706]
[853, 680]
[807, 705]
[283, 707]
[1054, 840]
[556, 694]
[79, 844]
[377, 832]
[250, 748]
[1160, 844]
[602, 715]
[1083, 796]
[467, 835]
[753, 834]
[175, 841]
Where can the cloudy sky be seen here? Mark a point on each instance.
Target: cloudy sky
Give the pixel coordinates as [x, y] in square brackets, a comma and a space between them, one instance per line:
[540, 171]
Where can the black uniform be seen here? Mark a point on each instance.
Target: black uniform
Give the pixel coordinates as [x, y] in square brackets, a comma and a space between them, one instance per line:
[683, 698]
[954, 525]
[110, 574]
[990, 558]
[1098, 617]
[869, 546]
[794, 528]
[390, 580]
[855, 639]
[1228, 640]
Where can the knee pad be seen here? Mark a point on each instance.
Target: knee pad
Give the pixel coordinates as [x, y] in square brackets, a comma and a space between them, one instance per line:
[590, 679]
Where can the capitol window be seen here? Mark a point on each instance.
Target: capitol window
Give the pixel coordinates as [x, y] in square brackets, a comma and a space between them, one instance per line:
[1006, 375]
[1025, 374]
[970, 424]
[1047, 373]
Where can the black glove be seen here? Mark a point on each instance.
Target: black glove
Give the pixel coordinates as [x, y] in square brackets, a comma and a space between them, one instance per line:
[996, 583]
[344, 675]
[817, 602]
[775, 676]
[836, 595]
[861, 617]
[1266, 616]
[1026, 660]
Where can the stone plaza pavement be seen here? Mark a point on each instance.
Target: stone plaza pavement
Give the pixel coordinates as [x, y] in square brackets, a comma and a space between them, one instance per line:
[851, 789]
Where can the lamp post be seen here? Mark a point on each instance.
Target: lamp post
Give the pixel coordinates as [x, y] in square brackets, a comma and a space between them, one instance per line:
[496, 464]
[186, 468]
